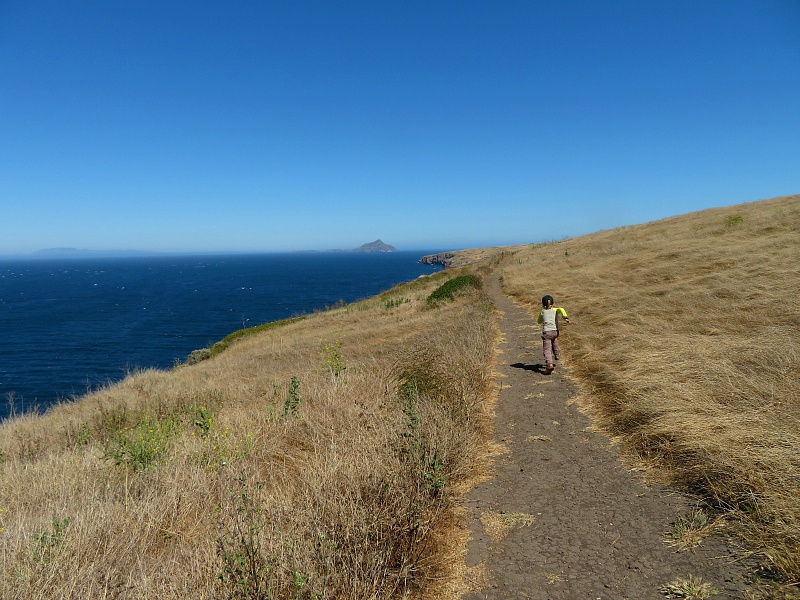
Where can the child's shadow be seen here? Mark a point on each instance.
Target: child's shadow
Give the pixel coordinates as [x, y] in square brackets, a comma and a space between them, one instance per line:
[538, 367]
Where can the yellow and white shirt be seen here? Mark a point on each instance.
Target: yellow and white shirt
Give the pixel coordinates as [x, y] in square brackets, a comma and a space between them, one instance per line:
[549, 318]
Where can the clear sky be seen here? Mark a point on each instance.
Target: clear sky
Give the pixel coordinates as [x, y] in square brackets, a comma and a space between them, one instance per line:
[292, 125]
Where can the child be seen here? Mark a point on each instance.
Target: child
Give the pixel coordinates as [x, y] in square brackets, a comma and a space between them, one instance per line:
[549, 320]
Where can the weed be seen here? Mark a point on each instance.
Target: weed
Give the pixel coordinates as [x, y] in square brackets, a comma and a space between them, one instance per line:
[203, 421]
[734, 220]
[332, 355]
[299, 582]
[431, 466]
[692, 588]
[142, 446]
[246, 572]
[221, 449]
[291, 406]
[433, 474]
[391, 303]
[84, 435]
[689, 530]
[49, 543]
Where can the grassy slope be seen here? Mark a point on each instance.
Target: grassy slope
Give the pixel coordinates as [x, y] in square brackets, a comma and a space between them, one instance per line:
[686, 344]
[218, 480]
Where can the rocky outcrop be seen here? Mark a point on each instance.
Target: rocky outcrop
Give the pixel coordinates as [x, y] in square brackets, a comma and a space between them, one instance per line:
[442, 258]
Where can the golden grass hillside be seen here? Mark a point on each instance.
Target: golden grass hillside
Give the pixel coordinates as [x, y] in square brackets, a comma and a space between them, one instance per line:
[686, 345]
[318, 458]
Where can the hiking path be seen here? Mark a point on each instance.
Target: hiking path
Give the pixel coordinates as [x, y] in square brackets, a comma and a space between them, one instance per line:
[560, 517]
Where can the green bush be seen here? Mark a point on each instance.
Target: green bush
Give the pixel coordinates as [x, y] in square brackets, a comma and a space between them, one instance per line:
[451, 287]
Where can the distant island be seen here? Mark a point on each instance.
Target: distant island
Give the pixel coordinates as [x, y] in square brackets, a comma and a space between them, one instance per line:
[376, 246]
[57, 253]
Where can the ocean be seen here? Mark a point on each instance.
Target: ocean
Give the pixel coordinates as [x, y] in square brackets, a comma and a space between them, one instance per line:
[69, 326]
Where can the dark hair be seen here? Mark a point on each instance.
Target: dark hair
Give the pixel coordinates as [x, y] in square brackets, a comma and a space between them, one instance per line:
[547, 301]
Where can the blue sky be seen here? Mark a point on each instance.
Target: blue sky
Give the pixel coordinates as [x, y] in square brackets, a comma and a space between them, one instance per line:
[270, 126]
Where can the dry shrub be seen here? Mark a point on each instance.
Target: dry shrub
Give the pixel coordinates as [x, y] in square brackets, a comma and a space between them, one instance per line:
[201, 483]
[686, 344]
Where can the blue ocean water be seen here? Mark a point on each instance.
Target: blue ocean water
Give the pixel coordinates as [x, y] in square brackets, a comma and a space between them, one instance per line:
[71, 325]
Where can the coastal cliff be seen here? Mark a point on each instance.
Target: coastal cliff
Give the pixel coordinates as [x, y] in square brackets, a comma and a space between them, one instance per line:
[442, 258]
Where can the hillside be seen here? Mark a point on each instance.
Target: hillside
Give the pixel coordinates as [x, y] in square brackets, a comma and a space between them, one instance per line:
[315, 457]
[687, 349]
[328, 457]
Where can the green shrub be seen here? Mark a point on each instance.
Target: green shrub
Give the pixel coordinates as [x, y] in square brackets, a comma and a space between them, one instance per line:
[734, 220]
[449, 289]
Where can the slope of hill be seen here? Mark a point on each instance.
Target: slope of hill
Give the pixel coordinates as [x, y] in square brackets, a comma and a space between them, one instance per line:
[311, 458]
[686, 346]
[326, 457]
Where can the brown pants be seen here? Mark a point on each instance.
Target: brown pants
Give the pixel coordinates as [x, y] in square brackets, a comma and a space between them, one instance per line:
[550, 346]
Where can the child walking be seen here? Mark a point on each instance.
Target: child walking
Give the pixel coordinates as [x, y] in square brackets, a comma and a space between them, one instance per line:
[549, 318]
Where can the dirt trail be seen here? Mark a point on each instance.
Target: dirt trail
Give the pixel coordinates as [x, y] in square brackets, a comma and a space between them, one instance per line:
[561, 518]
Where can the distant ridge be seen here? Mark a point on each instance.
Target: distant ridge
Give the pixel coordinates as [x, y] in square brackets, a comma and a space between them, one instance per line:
[57, 253]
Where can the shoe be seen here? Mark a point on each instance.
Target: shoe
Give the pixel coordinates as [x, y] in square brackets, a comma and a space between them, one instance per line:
[550, 368]
[557, 357]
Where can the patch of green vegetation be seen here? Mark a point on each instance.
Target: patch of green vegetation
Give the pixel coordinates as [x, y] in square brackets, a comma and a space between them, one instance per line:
[391, 303]
[84, 435]
[49, 543]
[734, 220]
[451, 287]
[429, 465]
[203, 421]
[143, 445]
[291, 406]
[247, 570]
[332, 356]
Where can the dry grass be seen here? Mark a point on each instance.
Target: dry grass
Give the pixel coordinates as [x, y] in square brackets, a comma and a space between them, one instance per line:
[498, 525]
[221, 480]
[686, 345]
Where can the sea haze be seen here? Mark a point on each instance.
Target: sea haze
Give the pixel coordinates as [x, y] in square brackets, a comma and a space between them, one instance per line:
[69, 326]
